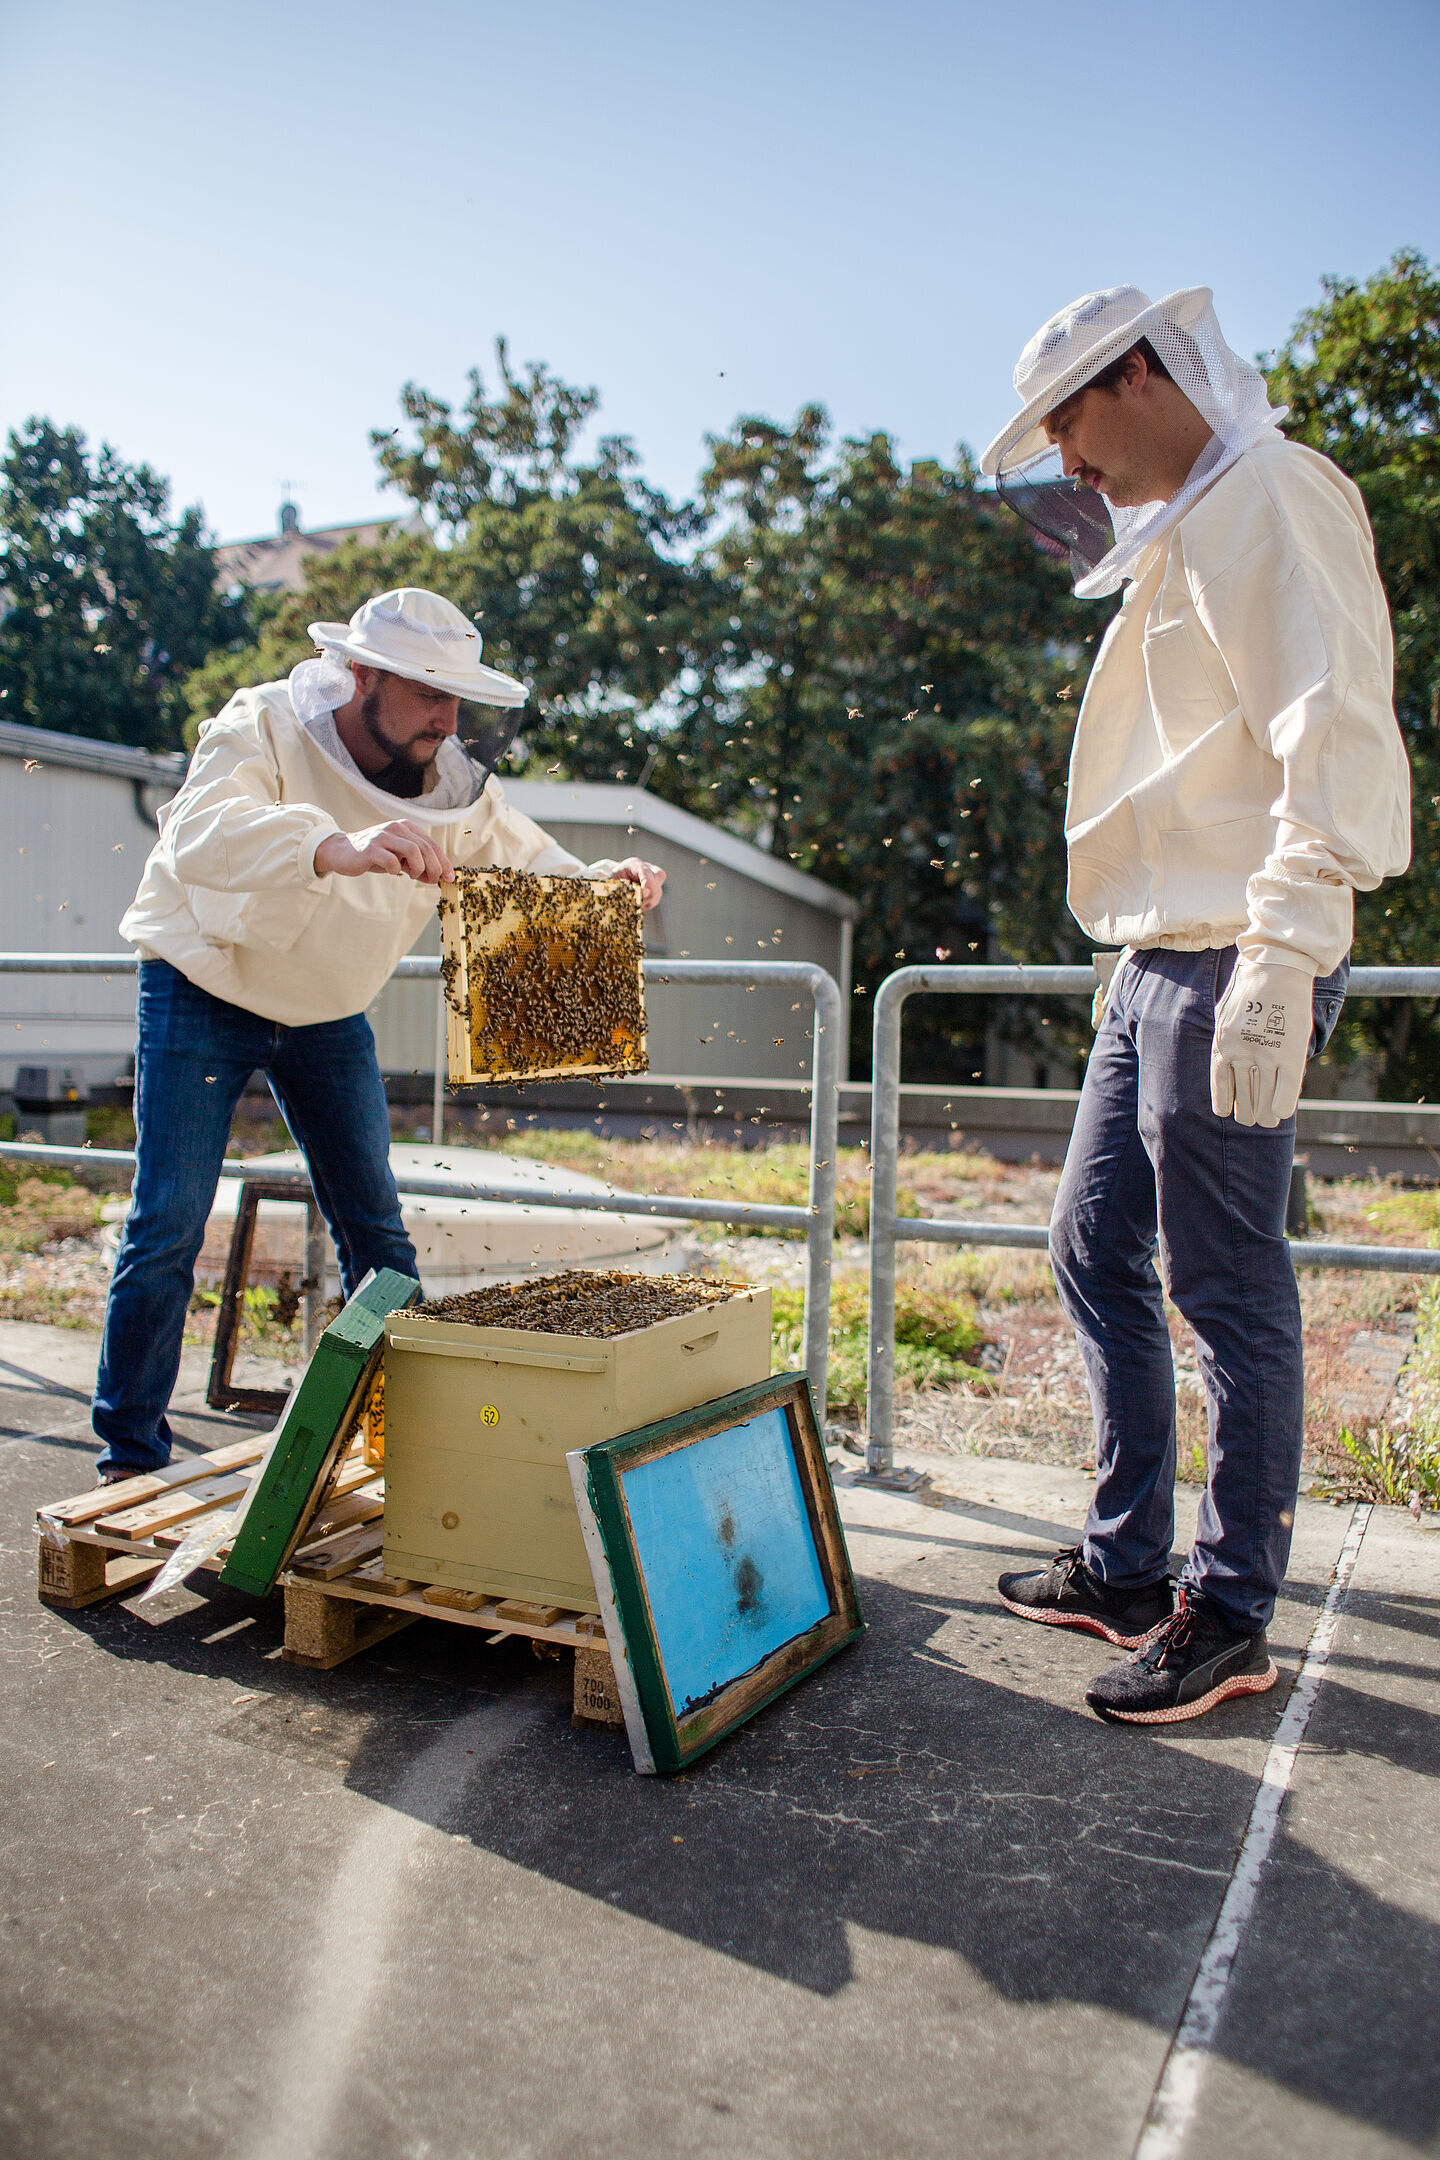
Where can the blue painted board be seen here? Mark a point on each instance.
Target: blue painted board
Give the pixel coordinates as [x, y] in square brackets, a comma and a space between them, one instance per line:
[727, 1552]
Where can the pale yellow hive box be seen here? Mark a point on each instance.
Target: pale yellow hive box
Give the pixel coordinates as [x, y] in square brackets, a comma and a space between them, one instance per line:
[544, 977]
[478, 1421]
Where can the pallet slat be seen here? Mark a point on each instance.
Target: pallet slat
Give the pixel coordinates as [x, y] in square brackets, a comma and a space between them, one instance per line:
[88, 1507]
[200, 1498]
[570, 1629]
[338, 1555]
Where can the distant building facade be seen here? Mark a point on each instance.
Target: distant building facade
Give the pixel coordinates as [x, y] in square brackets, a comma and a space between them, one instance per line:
[276, 561]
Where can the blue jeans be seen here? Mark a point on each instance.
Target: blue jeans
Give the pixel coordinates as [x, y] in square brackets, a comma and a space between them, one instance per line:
[194, 1053]
[1150, 1163]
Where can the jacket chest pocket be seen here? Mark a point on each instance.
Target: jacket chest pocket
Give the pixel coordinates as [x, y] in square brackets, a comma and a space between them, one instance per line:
[1189, 684]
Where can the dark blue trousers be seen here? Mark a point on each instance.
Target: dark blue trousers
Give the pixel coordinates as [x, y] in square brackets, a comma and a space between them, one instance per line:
[194, 1054]
[1150, 1166]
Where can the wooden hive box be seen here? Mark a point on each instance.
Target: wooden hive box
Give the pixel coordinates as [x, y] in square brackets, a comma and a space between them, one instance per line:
[543, 977]
[479, 1420]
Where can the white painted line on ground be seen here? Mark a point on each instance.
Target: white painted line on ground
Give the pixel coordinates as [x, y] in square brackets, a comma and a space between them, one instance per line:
[1172, 2108]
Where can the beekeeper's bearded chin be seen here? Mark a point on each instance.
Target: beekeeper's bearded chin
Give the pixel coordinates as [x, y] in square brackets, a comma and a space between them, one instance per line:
[1134, 441]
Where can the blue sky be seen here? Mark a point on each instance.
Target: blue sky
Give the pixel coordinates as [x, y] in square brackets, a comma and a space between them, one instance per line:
[230, 235]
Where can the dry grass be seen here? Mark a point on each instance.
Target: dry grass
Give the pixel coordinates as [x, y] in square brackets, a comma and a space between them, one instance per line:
[1028, 1394]
[40, 1211]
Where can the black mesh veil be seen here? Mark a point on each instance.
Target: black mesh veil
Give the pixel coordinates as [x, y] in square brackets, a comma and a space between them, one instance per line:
[486, 732]
[1067, 519]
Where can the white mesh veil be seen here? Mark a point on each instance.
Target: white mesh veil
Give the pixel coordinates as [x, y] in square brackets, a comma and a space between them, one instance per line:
[320, 686]
[1103, 544]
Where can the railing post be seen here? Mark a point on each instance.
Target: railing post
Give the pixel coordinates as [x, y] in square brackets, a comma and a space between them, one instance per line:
[316, 1254]
[824, 1147]
[442, 1067]
[884, 1180]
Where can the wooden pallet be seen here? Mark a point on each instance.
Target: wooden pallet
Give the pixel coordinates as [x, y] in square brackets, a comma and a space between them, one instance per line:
[338, 1599]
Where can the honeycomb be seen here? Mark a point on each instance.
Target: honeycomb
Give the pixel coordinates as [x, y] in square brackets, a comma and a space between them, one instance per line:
[542, 976]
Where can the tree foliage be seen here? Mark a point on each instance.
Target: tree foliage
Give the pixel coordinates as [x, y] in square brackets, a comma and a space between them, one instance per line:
[884, 689]
[107, 605]
[863, 667]
[567, 562]
[1361, 375]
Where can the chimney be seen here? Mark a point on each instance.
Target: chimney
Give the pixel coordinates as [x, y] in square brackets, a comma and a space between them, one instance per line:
[289, 519]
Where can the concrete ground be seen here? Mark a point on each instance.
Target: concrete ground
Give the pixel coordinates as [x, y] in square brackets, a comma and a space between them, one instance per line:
[925, 1905]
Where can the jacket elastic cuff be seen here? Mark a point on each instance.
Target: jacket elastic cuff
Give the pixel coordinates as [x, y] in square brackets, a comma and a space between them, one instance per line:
[1274, 952]
[312, 879]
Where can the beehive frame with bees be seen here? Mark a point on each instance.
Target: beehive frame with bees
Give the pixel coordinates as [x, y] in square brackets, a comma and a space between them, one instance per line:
[543, 977]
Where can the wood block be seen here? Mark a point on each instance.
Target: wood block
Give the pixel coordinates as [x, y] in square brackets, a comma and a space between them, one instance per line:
[383, 1585]
[461, 1600]
[590, 1623]
[532, 1615]
[317, 1626]
[596, 1699]
[72, 1576]
[322, 1631]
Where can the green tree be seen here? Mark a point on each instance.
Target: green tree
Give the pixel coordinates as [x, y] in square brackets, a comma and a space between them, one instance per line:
[884, 693]
[567, 561]
[107, 604]
[1361, 375]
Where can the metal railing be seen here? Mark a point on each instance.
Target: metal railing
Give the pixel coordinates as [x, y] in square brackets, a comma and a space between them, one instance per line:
[816, 1219]
[887, 1228]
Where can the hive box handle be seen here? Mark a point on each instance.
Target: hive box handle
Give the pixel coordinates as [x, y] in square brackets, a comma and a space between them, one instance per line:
[501, 1354]
[702, 1342]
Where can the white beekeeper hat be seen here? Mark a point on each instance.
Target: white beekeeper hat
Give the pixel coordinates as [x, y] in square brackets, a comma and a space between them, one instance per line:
[423, 637]
[1103, 542]
[1074, 345]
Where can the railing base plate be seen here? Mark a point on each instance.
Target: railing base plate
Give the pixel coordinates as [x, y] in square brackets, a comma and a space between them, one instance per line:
[895, 1479]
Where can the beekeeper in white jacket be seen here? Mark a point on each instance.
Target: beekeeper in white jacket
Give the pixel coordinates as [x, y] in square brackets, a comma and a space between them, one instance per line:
[1237, 774]
[294, 868]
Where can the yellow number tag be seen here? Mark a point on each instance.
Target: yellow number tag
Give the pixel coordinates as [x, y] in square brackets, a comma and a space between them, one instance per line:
[489, 1415]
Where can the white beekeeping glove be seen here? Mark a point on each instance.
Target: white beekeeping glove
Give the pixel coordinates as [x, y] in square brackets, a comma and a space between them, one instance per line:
[1262, 1040]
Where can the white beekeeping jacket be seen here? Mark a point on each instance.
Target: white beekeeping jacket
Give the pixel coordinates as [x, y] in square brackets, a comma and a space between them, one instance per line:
[230, 897]
[1237, 771]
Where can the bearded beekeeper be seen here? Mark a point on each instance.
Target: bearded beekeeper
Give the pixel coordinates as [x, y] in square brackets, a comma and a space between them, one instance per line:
[1237, 774]
[294, 868]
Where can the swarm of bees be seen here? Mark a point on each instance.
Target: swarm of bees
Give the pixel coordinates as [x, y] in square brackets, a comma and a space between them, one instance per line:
[542, 976]
[370, 1425]
[603, 1304]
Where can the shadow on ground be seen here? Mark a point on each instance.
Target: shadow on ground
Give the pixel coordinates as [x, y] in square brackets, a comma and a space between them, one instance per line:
[902, 1792]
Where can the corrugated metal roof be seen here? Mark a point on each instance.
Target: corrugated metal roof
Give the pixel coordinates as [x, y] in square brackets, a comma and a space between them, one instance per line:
[18, 741]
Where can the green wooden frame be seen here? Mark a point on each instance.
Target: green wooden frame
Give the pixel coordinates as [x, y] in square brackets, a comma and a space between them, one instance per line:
[659, 1741]
[312, 1432]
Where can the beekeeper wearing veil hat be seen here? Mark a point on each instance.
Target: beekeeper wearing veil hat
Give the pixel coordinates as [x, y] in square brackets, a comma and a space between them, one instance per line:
[294, 868]
[1237, 774]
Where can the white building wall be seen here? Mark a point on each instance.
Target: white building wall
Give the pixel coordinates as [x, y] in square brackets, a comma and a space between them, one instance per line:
[714, 910]
[75, 830]
[73, 842]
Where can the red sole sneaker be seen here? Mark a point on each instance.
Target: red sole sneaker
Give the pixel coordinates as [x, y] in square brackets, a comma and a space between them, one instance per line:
[1242, 1684]
[1083, 1621]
